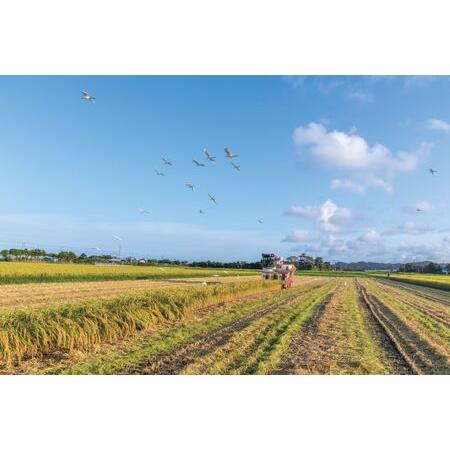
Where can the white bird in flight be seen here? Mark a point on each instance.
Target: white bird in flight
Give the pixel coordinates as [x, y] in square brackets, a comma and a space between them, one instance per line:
[117, 238]
[433, 172]
[209, 156]
[238, 168]
[96, 248]
[229, 153]
[212, 199]
[191, 187]
[198, 164]
[159, 174]
[88, 97]
[167, 162]
[144, 211]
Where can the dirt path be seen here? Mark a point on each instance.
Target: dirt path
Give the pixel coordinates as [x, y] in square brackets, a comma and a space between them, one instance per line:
[418, 354]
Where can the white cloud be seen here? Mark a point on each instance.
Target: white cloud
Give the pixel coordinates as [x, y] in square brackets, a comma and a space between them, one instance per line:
[298, 236]
[350, 153]
[361, 96]
[438, 124]
[347, 185]
[328, 216]
[409, 228]
[422, 206]
[371, 235]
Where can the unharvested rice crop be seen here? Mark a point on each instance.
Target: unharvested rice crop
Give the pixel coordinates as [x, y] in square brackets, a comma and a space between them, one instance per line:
[433, 281]
[28, 272]
[67, 327]
[44, 294]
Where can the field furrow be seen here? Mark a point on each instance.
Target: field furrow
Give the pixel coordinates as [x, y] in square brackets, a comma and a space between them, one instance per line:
[438, 312]
[412, 341]
[257, 347]
[336, 340]
[432, 294]
[205, 344]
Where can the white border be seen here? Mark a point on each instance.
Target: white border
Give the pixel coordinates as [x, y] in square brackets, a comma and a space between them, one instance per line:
[205, 412]
[226, 37]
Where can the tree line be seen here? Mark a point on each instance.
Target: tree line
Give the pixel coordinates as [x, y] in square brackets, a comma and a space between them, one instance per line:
[424, 268]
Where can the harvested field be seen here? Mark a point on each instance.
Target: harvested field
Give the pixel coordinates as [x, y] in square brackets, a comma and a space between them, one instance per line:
[323, 325]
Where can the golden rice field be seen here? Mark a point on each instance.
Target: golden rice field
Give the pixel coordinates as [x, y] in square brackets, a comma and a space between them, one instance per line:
[433, 281]
[323, 325]
[30, 272]
[45, 294]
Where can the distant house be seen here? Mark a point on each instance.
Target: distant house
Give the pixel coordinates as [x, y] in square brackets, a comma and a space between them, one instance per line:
[115, 261]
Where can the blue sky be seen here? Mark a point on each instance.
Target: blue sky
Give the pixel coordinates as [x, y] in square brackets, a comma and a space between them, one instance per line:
[334, 166]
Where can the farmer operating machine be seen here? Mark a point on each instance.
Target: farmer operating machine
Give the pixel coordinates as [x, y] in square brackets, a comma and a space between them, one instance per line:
[275, 268]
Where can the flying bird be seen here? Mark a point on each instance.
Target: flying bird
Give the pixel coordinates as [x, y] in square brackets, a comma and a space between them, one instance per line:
[144, 211]
[260, 221]
[167, 162]
[198, 164]
[191, 187]
[419, 210]
[88, 97]
[212, 199]
[433, 172]
[96, 249]
[238, 168]
[159, 174]
[200, 211]
[229, 153]
[209, 156]
[117, 238]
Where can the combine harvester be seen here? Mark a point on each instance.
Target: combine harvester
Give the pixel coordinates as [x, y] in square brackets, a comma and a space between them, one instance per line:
[275, 268]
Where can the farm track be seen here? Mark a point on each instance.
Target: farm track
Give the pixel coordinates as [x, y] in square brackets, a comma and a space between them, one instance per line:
[175, 362]
[435, 295]
[421, 357]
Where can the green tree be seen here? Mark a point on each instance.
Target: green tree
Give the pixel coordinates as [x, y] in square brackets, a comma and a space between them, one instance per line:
[305, 262]
[318, 263]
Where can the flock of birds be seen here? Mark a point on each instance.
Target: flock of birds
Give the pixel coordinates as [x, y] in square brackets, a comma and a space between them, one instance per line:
[167, 162]
[228, 154]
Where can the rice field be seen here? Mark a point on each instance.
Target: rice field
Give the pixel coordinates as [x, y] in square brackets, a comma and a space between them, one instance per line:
[323, 325]
[433, 281]
[45, 294]
[31, 272]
